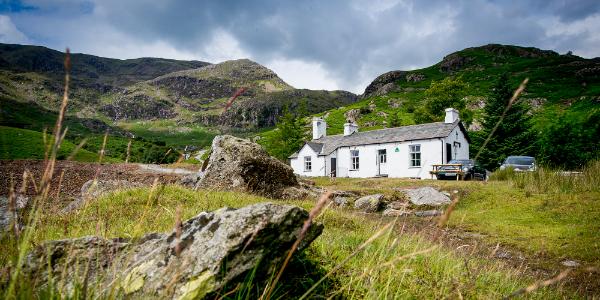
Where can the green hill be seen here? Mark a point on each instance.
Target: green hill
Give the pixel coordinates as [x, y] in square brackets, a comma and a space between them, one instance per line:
[562, 89]
[19, 143]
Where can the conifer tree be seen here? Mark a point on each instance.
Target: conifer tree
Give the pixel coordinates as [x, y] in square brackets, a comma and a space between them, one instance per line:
[513, 135]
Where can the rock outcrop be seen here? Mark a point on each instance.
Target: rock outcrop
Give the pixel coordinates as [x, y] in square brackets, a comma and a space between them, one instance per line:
[378, 86]
[206, 256]
[241, 165]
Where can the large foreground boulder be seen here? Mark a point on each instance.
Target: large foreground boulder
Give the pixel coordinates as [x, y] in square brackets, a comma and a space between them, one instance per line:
[239, 164]
[204, 258]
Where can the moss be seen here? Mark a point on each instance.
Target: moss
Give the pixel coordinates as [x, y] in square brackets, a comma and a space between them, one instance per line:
[198, 287]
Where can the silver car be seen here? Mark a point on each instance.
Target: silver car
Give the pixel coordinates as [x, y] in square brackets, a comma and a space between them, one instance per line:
[519, 163]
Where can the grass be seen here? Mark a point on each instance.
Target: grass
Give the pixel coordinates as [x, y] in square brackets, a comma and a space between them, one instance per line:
[171, 134]
[379, 271]
[536, 220]
[28, 144]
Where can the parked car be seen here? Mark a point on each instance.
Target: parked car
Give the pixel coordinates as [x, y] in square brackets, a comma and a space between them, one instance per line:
[470, 170]
[519, 163]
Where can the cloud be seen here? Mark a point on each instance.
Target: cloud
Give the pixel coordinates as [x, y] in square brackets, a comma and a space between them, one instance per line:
[9, 32]
[316, 44]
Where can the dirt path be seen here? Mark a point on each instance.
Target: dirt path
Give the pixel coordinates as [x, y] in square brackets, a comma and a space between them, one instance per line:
[75, 174]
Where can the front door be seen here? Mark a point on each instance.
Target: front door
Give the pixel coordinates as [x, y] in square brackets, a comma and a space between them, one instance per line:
[333, 167]
[381, 162]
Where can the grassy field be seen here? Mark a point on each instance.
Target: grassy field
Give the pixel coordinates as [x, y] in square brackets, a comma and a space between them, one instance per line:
[397, 264]
[539, 220]
[171, 134]
[16, 143]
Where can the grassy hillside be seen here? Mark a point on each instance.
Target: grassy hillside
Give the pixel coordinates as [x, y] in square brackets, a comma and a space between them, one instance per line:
[18, 143]
[398, 263]
[561, 87]
[557, 83]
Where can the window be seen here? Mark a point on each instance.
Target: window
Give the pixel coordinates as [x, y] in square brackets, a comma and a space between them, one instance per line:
[354, 159]
[307, 164]
[415, 155]
[382, 156]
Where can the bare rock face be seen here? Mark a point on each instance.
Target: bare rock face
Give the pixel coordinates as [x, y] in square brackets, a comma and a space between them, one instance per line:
[377, 86]
[239, 164]
[415, 77]
[352, 115]
[208, 255]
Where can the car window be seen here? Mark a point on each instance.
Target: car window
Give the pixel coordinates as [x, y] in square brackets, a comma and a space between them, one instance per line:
[462, 161]
[520, 160]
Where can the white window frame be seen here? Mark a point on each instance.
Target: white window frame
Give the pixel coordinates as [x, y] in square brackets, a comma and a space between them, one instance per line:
[382, 159]
[414, 156]
[307, 164]
[354, 160]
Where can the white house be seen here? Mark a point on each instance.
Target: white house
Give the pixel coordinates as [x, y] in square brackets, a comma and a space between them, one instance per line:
[407, 151]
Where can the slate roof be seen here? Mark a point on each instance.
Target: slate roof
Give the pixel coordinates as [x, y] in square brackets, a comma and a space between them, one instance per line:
[328, 144]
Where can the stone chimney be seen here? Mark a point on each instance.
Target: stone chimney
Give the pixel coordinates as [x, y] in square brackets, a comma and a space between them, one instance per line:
[451, 115]
[350, 128]
[319, 128]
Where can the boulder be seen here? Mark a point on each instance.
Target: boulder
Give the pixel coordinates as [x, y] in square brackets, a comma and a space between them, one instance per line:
[426, 196]
[207, 254]
[428, 213]
[390, 212]
[370, 203]
[241, 165]
[401, 205]
[7, 213]
[341, 201]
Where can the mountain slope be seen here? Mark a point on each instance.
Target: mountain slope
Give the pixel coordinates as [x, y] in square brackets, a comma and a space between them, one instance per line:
[557, 83]
[88, 70]
[165, 100]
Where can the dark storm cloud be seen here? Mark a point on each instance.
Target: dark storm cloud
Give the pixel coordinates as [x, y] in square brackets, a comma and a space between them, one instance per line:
[353, 41]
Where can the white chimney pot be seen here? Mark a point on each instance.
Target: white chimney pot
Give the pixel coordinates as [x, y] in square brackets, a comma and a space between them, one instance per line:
[350, 128]
[319, 128]
[451, 115]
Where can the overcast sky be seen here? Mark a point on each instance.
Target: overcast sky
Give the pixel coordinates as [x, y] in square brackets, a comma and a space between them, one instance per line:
[324, 44]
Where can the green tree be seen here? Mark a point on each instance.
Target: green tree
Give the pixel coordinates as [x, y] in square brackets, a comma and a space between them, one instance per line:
[287, 137]
[449, 92]
[394, 120]
[513, 136]
[572, 139]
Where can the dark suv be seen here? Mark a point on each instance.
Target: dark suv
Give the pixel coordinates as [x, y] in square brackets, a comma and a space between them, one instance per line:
[470, 170]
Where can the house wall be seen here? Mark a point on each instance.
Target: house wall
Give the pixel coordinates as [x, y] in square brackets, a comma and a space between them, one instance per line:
[433, 151]
[460, 150]
[318, 163]
[397, 162]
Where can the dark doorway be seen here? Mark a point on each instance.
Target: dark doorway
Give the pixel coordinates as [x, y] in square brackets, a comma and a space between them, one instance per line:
[333, 167]
[448, 152]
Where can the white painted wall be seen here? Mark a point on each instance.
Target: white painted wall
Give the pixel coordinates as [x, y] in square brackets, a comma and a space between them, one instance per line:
[397, 162]
[318, 163]
[460, 150]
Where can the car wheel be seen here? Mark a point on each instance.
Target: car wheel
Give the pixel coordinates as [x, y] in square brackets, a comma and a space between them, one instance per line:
[439, 177]
[468, 176]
